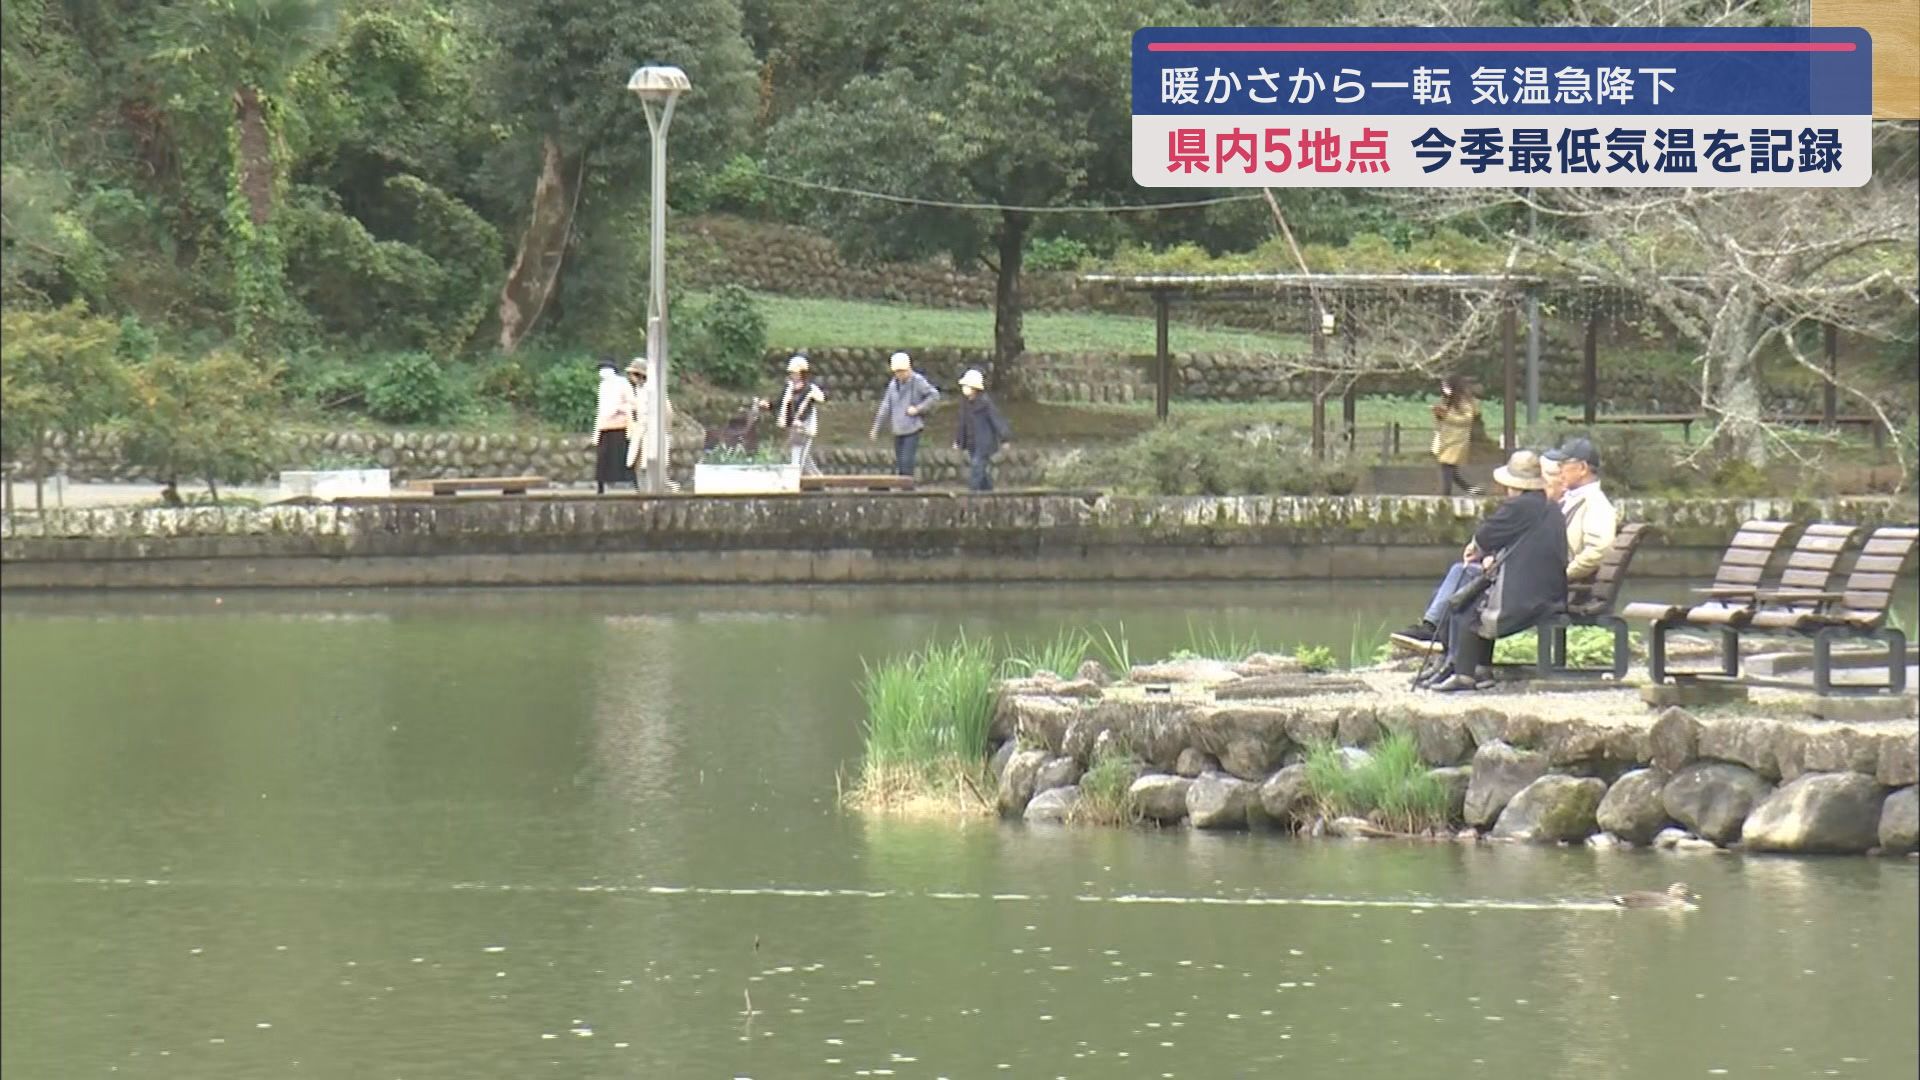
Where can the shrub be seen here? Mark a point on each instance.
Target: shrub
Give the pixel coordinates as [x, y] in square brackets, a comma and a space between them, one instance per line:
[58, 374]
[1587, 647]
[1315, 658]
[1392, 789]
[566, 395]
[508, 382]
[726, 339]
[210, 419]
[326, 382]
[1056, 253]
[411, 388]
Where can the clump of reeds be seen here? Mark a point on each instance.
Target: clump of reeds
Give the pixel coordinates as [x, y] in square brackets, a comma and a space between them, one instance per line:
[1061, 655]
[928, 715]
[1393, 788]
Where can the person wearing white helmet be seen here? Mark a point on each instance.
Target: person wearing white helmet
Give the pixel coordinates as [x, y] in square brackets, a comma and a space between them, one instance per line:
[904, 408]
[983, 431]
[799, 413]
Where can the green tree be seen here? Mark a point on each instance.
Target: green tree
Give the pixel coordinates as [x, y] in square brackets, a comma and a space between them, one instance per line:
[1005, 102]
[58, 375]
[236, 57]
[563, 68]
[210, 419]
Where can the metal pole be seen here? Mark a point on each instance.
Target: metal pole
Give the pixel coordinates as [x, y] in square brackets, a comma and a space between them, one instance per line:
[1163, 358]
[1590, 368]
[657, 303]
[1533, 359]
[1507, 439]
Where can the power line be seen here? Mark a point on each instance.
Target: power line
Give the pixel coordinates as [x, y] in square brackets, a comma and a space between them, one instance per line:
[947, 205]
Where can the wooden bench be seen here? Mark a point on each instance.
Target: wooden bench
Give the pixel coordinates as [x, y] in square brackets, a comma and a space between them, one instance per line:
[1591, 603]
[505, 485]
[857, 482]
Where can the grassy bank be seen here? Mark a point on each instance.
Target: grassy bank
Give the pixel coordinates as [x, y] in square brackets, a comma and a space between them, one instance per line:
[818, 323]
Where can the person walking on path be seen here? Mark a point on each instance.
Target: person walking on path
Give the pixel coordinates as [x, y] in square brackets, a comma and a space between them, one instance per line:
[983, 431]
[640, 429]
[614, 413]
[799, 413]
[903, 409]
[1453, 419]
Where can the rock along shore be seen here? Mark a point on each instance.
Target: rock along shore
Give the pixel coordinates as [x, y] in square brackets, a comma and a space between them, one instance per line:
[1222, 746]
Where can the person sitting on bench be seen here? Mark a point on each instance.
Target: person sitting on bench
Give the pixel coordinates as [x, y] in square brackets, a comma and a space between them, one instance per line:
[1592, 523]
[1522, 545]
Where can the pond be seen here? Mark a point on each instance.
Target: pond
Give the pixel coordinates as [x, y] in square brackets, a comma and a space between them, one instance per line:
[582, 832]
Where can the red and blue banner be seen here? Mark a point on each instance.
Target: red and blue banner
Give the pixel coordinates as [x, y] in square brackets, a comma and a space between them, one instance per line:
[1502, 107]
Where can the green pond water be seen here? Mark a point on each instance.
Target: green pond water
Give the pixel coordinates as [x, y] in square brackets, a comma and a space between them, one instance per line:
[572, 833]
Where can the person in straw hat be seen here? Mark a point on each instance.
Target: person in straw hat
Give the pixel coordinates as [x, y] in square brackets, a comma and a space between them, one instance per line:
[798, 412]
[983, 431]
[903, 409]
[640, 431]
[1522, 545]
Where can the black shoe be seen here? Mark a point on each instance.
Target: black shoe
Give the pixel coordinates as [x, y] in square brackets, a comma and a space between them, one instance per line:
[1427, 682]
[1476, 491]
[1420, 631]
[1455, 685]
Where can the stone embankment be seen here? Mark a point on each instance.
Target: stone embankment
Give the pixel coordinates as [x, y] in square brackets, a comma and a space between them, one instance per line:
[1222, 746]
[815, 539]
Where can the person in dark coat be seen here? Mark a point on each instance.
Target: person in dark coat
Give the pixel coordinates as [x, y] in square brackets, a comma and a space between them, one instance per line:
[1529, 535]
[983, 431]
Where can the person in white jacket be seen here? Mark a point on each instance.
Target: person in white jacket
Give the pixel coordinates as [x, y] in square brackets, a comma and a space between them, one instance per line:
[639, 432]
[798, 412]
[614, 412]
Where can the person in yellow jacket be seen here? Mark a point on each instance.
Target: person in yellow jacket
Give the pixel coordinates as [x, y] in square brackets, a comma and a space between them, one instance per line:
[1453, 419]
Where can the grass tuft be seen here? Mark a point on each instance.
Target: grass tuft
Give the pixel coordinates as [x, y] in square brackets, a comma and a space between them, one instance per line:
[1316, 659]
[1393, 789]
[1061, 654]
[1114, 652]
[1103, 790]
[1211, 643]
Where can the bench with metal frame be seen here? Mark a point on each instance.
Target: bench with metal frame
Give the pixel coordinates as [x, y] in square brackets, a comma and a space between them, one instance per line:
[1857, 611]
[1735, 596]
[1591, 603]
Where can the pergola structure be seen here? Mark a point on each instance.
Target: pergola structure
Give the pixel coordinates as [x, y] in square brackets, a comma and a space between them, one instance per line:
[1311, 295]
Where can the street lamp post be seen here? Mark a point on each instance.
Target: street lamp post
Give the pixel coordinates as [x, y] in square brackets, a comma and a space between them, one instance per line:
[658, 88]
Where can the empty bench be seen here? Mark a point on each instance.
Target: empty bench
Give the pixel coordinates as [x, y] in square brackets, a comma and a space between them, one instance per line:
[505, 485]
[857, 482]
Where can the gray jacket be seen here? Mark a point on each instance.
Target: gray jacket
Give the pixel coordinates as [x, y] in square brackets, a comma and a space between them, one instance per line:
[916, 392]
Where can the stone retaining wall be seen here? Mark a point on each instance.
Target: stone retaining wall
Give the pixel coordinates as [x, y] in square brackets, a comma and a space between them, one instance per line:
[930, 536]
[1515, 766]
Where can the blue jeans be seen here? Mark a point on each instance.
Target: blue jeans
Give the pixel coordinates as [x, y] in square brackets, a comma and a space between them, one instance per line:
[906, 449]
[978, 478]
[1437, 608]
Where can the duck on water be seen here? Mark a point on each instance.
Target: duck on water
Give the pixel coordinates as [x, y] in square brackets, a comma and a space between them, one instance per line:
[1676, 896]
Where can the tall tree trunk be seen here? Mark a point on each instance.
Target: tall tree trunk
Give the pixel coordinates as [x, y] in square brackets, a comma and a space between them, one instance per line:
[256, 176]
[543, 247]
[1737, 395]
[1008, 313]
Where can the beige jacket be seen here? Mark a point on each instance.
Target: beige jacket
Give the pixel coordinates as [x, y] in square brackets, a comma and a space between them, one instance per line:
[1592, 523]
[1453, 433]
[639, 445]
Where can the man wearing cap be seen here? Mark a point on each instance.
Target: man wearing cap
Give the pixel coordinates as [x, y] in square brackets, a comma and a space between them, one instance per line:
[903, 408]
[613, 412]
[1592, 522]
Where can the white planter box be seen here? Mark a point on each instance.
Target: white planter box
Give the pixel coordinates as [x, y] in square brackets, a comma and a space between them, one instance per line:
[335, 483]
[745, 479]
